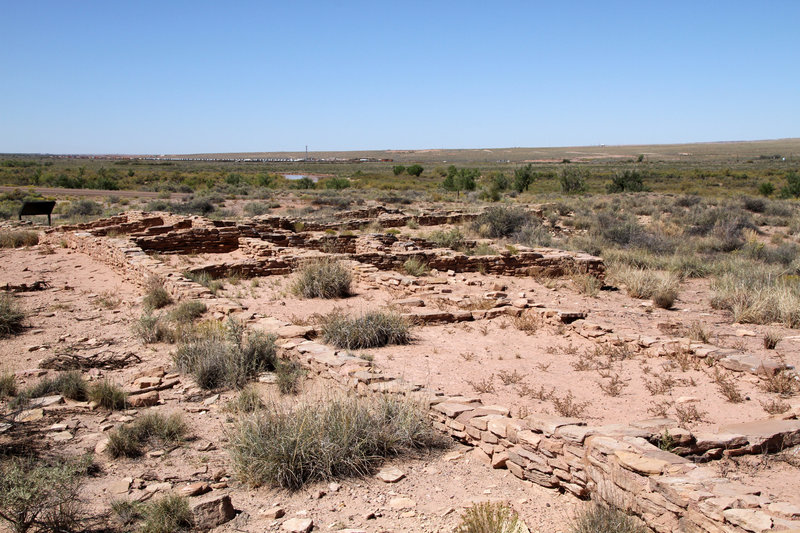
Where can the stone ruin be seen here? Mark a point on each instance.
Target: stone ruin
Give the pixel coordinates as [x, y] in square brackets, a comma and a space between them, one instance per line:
[623, 464]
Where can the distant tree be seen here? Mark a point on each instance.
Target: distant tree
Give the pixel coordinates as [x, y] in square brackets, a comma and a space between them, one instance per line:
[461, 179]
[766, 188]
[792, 188]
[414, 170]
[303, 183]
[523, 177]
[640, 158]
[337, 183]
[572, 180]
[398, 169]
[627, 181]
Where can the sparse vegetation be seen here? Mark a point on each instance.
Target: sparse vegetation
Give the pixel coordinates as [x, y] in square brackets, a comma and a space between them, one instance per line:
[152, 328]
[323, 278]
[187, 312]
[169, 514]
[68, 384]
[373, 329]
[18, 238]
[156, 296]
[600, 518]
[226, 356]
[489, 517]
[415, 267]
[152, 428]
[338, 437]
[41, 496]
[8, 385]
[11, 317]
[108, 395]
[289, 374]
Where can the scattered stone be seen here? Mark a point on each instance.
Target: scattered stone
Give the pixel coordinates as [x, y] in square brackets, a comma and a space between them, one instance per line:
[212, 511]
[148, 399]
[402, 503]
[196, 489]
[61, 436]
[274, 513]
[298, 525]
[391, 475]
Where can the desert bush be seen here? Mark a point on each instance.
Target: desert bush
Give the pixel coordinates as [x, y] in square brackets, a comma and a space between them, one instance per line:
[370, 330]
[568, 406]
[127, 511]
[415, 267]
[11, 316]
[226, 357]
[256, 208]
[289, 374]
[342, 436]
[414, 170]
[645, 283]
[754, 205]
[323, 278]
[84, 208]
[500, 221]
[771, 339]
[488, 517]
[627, 181]
[36, 495]
[587, 284]
[152, 328]
[205, 279]
[783, 382]
[766, 188]
[247, 401]
[170, 514]
[8, 385]
[68, 384]
[757, 295]
[533, 234]
[572, 180]
[18, 238]
[452, 239]
[149, 429]
[108, 395]
[792, 187]
[187, 312]
[599, 518]
[156, 296]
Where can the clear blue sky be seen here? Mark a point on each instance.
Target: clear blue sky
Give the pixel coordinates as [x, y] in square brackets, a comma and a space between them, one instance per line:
[196, 76]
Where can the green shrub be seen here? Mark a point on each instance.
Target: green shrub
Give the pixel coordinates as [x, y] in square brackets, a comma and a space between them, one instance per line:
[226, 358]
[35, 495]
[289, 374]
[370, 330]
[108, 395]
[792, 188]
[341, 437]
[572, 180]
[323, 278]
[414, 170]
[156, 296]
[500, 221]
[626, 181]
[488, 517]
[170, 514]
[452, 239]
[398, 169]
[84, 208]
[187, 312]
[415, 267]
[11, 316]
[149, 429]
[597, 518]
[766, 188]
[8, 385]
[18, 238]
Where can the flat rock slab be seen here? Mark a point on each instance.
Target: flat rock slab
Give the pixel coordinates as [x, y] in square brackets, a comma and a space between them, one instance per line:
[390, 475]
[298, 525]
[769, 433]
[212, 510]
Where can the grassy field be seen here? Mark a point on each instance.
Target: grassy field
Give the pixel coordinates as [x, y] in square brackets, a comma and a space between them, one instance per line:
[707, 169]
